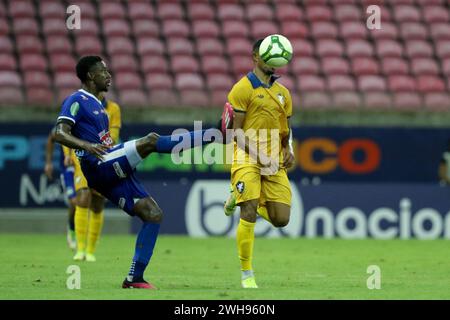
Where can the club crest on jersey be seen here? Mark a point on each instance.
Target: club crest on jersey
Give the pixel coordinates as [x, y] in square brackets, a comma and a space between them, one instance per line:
[280, 98]
[105, 138]
[240, 186]
[74, 108]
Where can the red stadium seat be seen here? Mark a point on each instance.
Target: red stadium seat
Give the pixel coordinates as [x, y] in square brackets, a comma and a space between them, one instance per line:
[7, 62]
[175, 28]
[116, 27]
[440, 31]
[200, 11]
[347, 100]
[158, 81]
[304, 48]
[58, 44]
[133, 98]
[154, 64]
[261, 29]
[5, 45]
[228, 12]
[377, 100]
[294, 30]
[25, 26]
[288, 82]
[210, 47]
[392, 66]
[353, 29]
[322, 29]
[315, 100]
[443, 49]
[241, 65]
[318, 12]
[140, 11]
[219, 82]
[430, 84]
[51, 9]
[371, 83]
[418, 49]
[188, 81]
[359, 48]
[446, 66]
[406, 13]
[388, 31]
[194, 98]
[164, 98]
[430, 2]
[214, 64]
[29, 44]
[149, 46]
[408, 101]
[402, 83]
[4, 28]
[11, 96]
[180, 46]
[309, 83]
[335, 65]
[235, 29]
[21, 9]
[111, 10]
[340, 83]
[127, 80]
[305, 65]
[88, 45]
[36, 79]
[145, 28]
[413, 31]
[329, 48]
[66, 80]
[437, 101]
[170, 11]
[40, 97]
[184, 64]
[259, 12]
[424, 66]
[363, 65]
[433, 14]
[62, 62]
[33, 61]
[236, 46]
[205, 29]
[218, 97]
[343, 2]
[118, 45]
[88, 10]
[89, 27]
[288, 12]
[389, 48]
[123, 63]
[63, 93]
[54, 26]
[347, 13]
[315, 2]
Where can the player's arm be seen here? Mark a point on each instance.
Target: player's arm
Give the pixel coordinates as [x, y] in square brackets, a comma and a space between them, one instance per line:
[48, 169]
[288, 148]
[64, 136]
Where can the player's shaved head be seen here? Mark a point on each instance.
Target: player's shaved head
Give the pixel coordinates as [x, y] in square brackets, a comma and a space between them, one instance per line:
[85, 64]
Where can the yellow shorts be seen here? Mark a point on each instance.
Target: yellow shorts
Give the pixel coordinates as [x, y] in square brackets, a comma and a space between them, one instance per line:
[249, 184]
[79, 179]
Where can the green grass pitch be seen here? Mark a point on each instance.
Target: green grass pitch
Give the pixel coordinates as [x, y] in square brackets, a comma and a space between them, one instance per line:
[33, 266]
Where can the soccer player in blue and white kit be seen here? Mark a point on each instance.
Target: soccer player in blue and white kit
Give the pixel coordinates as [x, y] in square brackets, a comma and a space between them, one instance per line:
[110, 170]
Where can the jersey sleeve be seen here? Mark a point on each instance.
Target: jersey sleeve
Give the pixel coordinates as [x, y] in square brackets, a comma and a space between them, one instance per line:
[239, 97]
[288, 104]
[70, 111]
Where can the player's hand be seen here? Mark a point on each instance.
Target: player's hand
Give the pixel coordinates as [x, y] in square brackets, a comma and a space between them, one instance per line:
[288, 158]
[48, 170]
[68, 161]
[96, 149]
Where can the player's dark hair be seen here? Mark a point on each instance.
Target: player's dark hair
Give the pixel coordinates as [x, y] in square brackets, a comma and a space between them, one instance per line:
[84, 65]
[256, 45]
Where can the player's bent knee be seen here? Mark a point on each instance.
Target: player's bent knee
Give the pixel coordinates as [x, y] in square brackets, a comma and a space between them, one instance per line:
[152, 139]
[148, 210]
[280, 222]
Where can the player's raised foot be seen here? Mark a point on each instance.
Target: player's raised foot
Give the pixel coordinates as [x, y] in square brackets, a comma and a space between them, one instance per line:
[90, 257]
[229, 206]
[137, 284]
[79, 256]
[227, 120]
[249, 283]
[71, 242]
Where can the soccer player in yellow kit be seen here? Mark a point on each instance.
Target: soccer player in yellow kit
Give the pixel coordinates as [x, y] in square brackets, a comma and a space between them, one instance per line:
[90, 204]
[259, 183]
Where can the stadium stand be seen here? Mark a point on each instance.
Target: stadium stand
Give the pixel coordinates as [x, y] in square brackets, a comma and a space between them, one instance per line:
[171, 53]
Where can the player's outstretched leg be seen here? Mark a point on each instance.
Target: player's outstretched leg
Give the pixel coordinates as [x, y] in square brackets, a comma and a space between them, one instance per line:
[151, 215]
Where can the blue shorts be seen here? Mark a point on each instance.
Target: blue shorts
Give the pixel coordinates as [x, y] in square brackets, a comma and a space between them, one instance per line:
[68, 182]
[114, 177]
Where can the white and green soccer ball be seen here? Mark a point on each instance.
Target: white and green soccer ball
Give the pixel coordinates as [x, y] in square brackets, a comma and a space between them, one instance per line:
[276, 50]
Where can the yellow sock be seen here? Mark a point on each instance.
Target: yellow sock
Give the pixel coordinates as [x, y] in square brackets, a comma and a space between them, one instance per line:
[95, 229]
[262, 211]
[245, 238]
[81, 225]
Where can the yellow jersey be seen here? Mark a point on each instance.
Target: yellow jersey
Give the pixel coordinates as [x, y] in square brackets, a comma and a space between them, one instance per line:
[265, 107]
